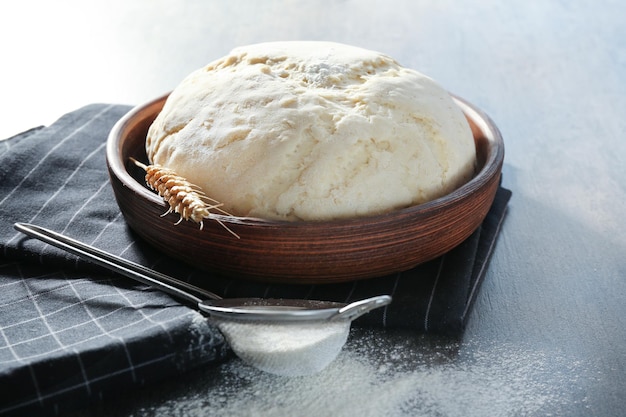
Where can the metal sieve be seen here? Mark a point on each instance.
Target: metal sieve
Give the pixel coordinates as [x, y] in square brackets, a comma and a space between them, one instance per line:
[280, 336]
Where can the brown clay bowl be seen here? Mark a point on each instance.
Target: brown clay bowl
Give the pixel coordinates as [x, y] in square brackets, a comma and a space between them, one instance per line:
[305, 252]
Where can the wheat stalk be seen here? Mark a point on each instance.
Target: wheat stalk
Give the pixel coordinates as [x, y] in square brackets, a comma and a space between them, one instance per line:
[184, 198]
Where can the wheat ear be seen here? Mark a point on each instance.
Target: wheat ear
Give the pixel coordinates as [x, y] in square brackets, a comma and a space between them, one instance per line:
[184, 198]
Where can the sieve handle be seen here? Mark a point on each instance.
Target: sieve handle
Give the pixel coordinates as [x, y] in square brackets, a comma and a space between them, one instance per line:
[179, 289]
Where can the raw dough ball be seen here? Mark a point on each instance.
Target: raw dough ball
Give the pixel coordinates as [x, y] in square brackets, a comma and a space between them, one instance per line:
[313, 131]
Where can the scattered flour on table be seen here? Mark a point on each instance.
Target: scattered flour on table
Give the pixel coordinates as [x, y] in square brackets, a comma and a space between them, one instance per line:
[375, 377]
[206, 343]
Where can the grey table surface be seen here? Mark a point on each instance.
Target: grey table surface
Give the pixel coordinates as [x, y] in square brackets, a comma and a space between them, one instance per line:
[547, 334]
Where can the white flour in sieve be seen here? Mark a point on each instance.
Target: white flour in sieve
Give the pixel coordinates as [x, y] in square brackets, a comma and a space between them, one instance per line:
[286, 349]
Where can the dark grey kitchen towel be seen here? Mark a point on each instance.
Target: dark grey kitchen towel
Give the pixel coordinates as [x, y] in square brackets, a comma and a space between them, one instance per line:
[71, 333]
